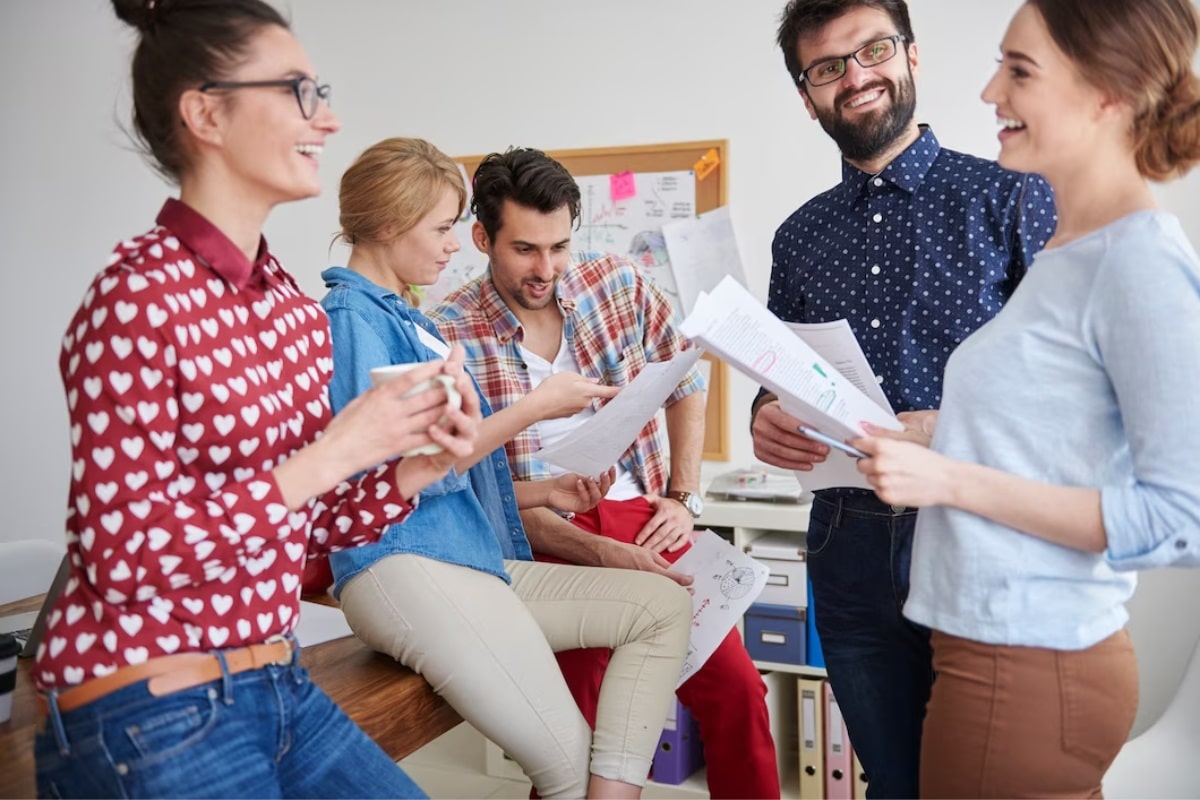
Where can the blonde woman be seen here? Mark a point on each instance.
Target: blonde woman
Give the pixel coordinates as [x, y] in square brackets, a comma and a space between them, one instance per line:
[453, 593]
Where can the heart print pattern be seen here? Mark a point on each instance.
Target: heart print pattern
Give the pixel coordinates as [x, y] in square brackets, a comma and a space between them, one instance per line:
[190, 375]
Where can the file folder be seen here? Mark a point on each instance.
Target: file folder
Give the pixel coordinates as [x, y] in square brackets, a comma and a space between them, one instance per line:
[812, 738]
[860, 776]
[680, 752]
[839, 771]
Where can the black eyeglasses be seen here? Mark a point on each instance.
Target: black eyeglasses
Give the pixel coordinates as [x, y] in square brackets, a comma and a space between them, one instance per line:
[828, 70]
[308, 94]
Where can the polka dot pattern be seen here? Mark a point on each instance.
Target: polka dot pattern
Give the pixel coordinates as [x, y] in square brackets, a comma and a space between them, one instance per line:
[916, 258]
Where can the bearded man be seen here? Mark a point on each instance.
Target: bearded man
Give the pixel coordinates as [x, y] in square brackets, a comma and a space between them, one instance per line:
[916, 247]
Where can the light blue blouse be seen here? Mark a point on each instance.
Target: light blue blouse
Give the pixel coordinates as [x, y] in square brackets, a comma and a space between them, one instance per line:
[1087, 377]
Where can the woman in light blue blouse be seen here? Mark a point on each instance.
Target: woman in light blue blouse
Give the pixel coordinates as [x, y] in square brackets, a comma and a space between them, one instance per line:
[1065, 456]
[453, 593]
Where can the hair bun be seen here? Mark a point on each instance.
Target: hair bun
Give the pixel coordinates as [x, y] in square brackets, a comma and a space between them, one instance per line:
[141, 14]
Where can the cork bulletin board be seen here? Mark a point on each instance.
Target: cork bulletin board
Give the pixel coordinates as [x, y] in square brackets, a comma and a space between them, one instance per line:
[709, 160]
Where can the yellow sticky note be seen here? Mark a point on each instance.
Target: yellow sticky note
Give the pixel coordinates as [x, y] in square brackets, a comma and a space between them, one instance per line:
[706, 164]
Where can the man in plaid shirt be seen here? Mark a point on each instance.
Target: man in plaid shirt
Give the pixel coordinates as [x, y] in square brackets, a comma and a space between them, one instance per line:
[539, 311]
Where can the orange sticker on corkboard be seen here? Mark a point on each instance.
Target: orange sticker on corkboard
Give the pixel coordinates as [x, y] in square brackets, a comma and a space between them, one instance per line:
[706, 164]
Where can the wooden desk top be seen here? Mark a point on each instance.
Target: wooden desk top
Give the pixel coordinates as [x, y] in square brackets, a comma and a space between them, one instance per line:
[394, 705]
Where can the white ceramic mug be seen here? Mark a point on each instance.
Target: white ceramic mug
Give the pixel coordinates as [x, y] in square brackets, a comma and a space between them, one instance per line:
[383, 374]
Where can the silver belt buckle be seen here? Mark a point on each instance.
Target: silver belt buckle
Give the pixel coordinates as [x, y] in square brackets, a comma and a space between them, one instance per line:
[286, 660]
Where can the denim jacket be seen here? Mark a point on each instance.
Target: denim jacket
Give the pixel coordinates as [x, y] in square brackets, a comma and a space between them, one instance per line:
[470, 519]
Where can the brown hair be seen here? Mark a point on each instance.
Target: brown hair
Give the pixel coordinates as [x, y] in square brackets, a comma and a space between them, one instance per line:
[526, 176]
[390, 187]
[804, 17]
[181, 44]
[1140, 52]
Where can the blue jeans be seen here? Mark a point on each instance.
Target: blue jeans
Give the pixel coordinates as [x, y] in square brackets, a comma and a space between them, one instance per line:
[879, 664]
[264, 733]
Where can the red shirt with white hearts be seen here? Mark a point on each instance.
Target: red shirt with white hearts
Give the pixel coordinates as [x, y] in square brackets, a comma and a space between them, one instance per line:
[191, 373]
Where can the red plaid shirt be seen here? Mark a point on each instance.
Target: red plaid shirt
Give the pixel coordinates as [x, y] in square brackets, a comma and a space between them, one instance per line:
[616, 320]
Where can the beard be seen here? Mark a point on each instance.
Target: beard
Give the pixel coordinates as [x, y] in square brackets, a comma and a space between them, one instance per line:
[865, 138]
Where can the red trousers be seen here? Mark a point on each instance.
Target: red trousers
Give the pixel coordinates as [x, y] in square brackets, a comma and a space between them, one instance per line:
[726, 696]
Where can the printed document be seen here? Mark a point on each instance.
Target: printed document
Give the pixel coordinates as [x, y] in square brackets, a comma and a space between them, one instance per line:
[726, 582]
[703, 250]
[737, 327]
[598, 443]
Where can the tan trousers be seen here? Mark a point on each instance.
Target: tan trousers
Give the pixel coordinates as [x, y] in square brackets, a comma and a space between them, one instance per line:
[488, 649]
[1025, 721]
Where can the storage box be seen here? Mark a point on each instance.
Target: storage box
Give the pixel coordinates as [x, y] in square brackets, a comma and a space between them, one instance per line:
[680, 752]
[812, 641]
[784, 555]
[775, 633]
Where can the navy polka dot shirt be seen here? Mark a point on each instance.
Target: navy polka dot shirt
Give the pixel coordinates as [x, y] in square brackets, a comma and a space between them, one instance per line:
[916, 258]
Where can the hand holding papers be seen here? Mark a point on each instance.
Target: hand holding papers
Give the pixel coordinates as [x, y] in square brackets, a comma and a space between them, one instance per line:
[598, 443]
[726, 582]
[732, 323]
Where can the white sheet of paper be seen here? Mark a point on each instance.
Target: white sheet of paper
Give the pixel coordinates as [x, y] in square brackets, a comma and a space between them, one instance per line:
[736, 326]
[726, 582]
[320, 623]
[703, 251]
[598, 443]
[836, 343]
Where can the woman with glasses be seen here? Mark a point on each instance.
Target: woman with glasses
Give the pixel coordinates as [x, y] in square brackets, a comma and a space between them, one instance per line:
[454, 593]
[197, 377]
[1064, 454]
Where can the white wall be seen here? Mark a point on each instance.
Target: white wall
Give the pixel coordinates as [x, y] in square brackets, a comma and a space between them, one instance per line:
[472, 76]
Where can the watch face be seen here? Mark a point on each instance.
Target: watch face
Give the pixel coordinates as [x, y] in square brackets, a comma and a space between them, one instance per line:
[694, 505]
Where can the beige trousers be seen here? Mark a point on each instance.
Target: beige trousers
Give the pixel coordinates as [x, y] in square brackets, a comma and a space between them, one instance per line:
[488, 649]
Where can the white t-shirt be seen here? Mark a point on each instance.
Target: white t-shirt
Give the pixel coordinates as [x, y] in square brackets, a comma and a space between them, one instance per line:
[549, 431]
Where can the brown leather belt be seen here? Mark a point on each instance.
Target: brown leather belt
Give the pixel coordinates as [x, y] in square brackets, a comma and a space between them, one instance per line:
[175, 673]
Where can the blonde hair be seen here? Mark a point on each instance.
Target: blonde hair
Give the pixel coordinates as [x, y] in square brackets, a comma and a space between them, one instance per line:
[1139, 51]
[390, 187]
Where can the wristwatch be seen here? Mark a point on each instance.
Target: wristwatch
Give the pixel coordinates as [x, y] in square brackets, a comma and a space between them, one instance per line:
[692, 502]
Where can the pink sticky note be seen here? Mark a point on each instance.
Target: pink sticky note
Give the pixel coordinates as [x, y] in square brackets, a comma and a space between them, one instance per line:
[622, 186]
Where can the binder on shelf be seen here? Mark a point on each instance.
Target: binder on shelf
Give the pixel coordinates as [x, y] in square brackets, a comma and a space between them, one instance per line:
[680, 752]
[812, 738]
[860, 776]
[839, 770]
[813, 652]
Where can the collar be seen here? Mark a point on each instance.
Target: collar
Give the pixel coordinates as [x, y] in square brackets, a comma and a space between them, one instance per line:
[210, 245]
[497, 313]
[906, 171]
[335, 277]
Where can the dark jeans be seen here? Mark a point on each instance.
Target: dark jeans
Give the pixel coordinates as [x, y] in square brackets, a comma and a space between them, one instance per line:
[265, 733]
[879, 663]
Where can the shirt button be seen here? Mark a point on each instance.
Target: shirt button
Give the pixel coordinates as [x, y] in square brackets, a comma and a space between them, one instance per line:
[878, 217]
[878, 182]
[875, 270]
[1181, 544]
[879, 379]
[874, 323]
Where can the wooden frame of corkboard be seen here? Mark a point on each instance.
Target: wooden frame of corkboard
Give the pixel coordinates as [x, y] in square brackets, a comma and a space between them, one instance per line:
[710, 160]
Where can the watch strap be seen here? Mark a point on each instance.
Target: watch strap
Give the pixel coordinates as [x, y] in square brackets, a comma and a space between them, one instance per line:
[685, 498]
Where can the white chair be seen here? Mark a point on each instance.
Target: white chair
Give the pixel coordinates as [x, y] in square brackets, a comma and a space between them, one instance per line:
[1164, 761]
[27, 567]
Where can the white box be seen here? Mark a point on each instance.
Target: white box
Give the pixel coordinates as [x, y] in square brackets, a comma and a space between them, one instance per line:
[784, 555]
